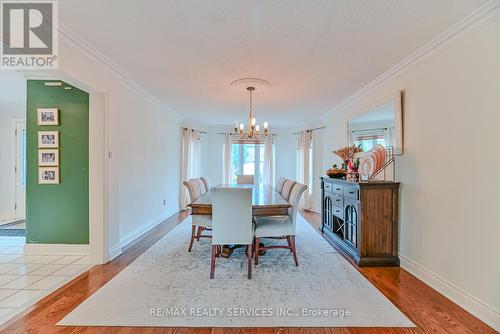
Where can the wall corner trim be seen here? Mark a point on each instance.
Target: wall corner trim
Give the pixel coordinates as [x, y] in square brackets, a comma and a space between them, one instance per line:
[477, 308]
[114, 252]
[475, 21]
[57, 249]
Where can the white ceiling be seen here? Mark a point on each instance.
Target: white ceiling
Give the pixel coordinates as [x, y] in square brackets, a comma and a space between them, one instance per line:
[315, 53]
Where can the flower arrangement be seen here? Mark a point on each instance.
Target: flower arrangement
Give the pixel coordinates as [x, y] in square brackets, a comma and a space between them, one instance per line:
[347, 153]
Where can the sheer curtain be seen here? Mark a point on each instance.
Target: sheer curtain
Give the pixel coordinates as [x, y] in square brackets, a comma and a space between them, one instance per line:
[268, 161]
[226, 167]
[190, 162]
[389, 137]
[304, 166]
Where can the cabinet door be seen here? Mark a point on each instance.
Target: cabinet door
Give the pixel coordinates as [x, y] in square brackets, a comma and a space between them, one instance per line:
[351, 215]
[327, 212]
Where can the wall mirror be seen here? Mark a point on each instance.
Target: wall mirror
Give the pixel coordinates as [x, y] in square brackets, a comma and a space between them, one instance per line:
[381, 124]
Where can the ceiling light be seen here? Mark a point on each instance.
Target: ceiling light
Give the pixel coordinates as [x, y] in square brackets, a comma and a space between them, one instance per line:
[253, 128]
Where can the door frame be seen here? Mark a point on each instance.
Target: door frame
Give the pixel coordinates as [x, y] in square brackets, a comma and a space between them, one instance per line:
[100, 227]
[14, 165]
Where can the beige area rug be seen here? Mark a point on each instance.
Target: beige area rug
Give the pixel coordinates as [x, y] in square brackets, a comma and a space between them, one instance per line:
[167, 286]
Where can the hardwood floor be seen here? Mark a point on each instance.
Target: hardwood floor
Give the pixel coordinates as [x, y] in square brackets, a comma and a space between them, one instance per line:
[428, 309]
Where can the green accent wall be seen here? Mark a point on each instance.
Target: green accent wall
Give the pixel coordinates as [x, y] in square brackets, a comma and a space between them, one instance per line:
[58, 213]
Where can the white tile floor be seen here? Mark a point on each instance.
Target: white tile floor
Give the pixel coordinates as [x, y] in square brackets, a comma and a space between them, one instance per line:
[25, 279]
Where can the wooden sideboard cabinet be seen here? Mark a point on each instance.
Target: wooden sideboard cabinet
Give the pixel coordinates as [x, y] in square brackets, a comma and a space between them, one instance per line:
[362, 219]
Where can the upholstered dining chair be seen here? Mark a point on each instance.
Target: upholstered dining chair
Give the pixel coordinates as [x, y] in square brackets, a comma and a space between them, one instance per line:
[244, 179]
[280, 227]
[280, 184]
[232, 221]
[201, 185]
[206, 182]
[198, 222]
[287, 188]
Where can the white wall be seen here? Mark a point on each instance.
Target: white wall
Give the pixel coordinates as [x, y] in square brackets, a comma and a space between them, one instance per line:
[149, 153]
[12, 88]
[144, 140]
[285, 146]
[449, 217]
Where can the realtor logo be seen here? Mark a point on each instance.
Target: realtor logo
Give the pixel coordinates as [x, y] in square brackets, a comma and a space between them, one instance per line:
[29, 35]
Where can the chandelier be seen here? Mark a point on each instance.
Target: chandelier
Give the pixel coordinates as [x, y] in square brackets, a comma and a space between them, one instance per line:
[253, 130]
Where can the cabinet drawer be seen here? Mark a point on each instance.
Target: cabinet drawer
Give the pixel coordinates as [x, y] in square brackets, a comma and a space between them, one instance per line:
[338, 212]
[337, 201]
[338, 189]
[328, 188]
[351, 192]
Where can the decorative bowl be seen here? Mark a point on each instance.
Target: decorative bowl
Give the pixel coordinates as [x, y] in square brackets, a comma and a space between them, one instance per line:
[336, 173]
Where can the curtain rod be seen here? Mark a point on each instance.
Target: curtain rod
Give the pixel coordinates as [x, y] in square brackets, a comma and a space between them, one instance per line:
[311, 130]
[365, 130]
[199, 131]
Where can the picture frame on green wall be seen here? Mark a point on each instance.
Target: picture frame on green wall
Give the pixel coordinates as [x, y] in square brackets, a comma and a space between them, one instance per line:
[48, 175]
[48, 139]
[47, 116]
[48, 157]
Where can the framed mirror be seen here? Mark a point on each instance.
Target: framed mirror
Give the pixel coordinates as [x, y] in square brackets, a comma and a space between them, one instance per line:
[381, 124]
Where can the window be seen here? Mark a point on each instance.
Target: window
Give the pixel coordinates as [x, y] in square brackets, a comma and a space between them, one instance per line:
[368, 139]
[248, 159]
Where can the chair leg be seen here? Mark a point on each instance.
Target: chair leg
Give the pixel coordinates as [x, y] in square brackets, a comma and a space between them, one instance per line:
[200, 229]
[294, 250]
[249, 256]
[212, 261]
[257, 251]
[289, 243]
[193, 231]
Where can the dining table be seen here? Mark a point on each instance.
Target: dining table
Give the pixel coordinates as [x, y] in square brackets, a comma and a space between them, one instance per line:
[266, 201]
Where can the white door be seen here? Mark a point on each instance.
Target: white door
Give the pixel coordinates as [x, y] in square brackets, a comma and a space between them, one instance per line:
[20, 170]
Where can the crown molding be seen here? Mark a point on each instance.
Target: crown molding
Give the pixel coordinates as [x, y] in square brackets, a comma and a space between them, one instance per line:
[476, 20]
[73, 41]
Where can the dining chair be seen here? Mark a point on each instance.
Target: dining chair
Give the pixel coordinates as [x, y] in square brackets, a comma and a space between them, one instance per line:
[287, 188]
[206, 182]
[200, 184]
[280, 183]
[280, 227]
[198, 222]
[244, 179]
[232, 221]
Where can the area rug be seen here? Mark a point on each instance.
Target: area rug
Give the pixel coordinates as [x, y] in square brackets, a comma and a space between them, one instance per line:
[167, 286]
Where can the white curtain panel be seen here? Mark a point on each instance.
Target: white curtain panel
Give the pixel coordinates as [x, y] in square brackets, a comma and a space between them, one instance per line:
[304, 167]
[268, 161]
[390, 137]
[226, 168]
[191, 159]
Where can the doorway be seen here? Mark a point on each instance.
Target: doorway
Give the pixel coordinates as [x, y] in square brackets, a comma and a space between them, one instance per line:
[14, 225]
[20, 170]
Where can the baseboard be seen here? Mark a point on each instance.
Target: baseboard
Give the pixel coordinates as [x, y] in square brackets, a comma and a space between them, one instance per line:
[57, 249]
[477, 308]
[143, 229]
